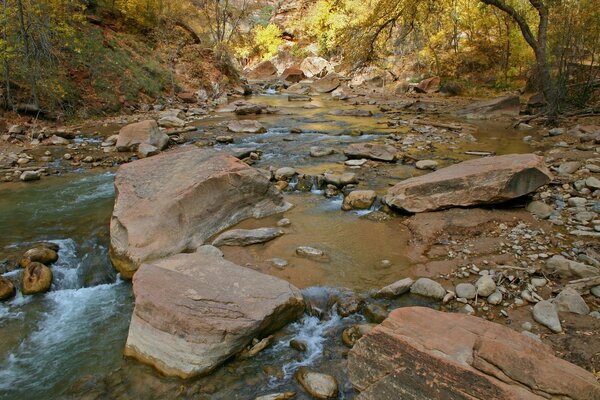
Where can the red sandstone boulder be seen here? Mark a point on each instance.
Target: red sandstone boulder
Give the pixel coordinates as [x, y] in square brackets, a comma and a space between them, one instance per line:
[420, 353]
[173, 202]
[263, 71]
[481, 181]
[194, 311]
[429, 85]
[292, 75]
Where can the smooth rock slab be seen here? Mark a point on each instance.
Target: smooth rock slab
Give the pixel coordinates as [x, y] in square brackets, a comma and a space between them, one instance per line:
[372, 151]
[420, 353]
[175, 201]
[246, 237]
[480, 181]
[194, 311]
[246, 126]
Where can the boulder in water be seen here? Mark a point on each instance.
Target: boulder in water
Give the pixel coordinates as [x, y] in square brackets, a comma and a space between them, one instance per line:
[36, 278]
[175, 201]
[194, 311]
[359, 200]
[246, 126]
[420, 353]
[372, 151]
[7, 288]
[39, 254]
[318, 385]
[487, 180]
[132, 135]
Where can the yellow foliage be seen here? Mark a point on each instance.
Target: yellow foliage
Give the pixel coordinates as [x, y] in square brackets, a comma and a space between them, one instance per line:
[267, 40]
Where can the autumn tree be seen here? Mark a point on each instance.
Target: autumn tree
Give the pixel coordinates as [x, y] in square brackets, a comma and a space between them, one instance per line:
[538, 43]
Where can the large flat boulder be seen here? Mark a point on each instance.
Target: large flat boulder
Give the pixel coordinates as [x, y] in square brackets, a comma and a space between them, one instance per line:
[509, 106]
[194, 311]
[372, 151]
[420, 353]
[481, 181]
[132, 135]
[175, 201]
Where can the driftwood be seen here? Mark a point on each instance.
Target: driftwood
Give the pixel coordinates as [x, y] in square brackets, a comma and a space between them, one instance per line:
[584, 284]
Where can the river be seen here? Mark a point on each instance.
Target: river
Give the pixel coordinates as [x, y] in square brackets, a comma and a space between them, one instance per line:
[68, 342]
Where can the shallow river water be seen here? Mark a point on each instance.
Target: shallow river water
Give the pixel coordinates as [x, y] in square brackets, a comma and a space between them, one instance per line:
[68, 342]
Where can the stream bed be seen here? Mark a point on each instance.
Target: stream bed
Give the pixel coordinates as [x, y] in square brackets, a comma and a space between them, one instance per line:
[68, 342]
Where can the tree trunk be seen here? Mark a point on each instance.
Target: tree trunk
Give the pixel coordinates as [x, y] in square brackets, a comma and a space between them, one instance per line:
[27, 48]
[539, 46]
[7, 95]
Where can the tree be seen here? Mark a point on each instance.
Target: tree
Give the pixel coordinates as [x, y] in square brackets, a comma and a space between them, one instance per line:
[539, 45]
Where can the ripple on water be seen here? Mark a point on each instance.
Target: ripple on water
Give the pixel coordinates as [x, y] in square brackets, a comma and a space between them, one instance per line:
[51, 354]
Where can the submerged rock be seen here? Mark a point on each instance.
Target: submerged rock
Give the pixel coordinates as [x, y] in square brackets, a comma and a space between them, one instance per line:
[132, 135]
[420, 353]
[487, 180]
[194, 311]
[36, 278]
[174, 201]
[246, 237]
[318, 385]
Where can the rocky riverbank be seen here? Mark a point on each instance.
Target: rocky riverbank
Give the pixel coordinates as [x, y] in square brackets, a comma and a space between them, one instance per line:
[380, 186]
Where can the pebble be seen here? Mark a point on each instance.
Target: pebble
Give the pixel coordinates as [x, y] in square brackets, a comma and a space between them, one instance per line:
[495, 298]
[485, 286]
[284, 222]
[466, 291]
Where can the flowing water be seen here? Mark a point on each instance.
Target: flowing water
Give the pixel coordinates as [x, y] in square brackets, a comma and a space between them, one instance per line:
[68, 342]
